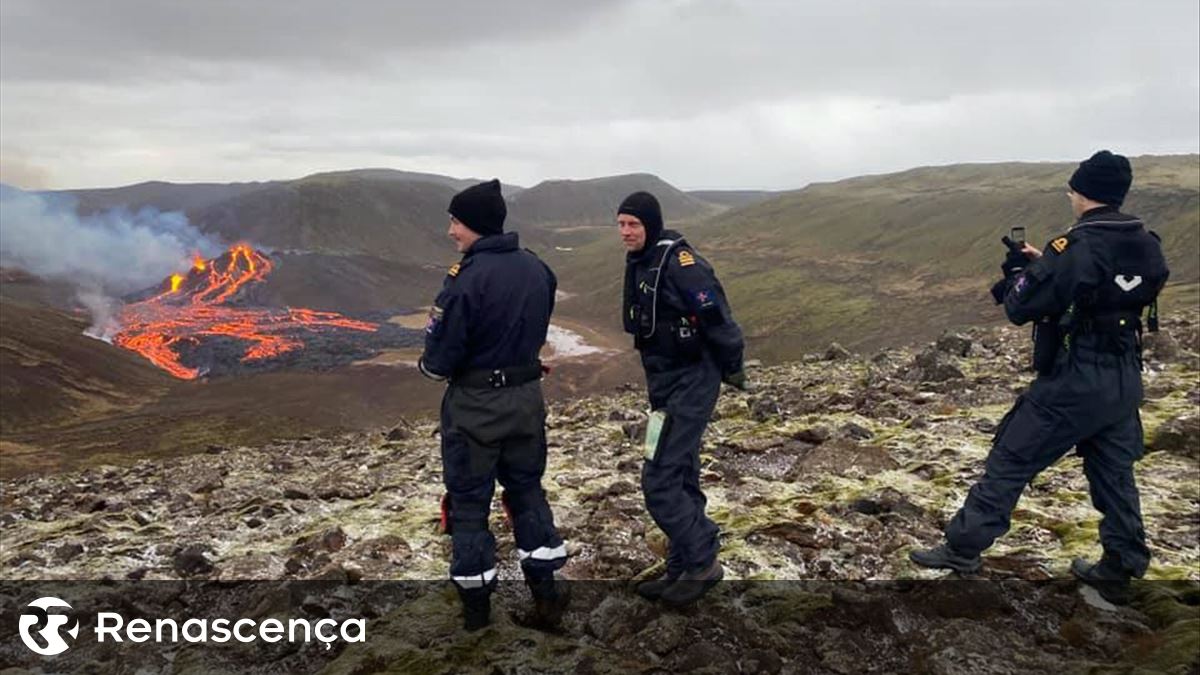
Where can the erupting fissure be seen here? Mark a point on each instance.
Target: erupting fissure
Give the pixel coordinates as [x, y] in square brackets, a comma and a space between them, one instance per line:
[190, 307]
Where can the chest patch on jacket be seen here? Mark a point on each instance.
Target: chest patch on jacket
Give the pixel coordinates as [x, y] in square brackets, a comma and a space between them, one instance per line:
[1128, 283]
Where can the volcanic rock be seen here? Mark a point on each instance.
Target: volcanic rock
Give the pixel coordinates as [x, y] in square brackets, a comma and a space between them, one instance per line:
[400, 432]
[763, 408]
[617, 616]
[815, 435]
[1160, 347]
[855, 431]
[933, 365]
[794, 497]
[205, 481]
[329, 541]
[344, 486]
[954, 344]
[296, 493]
[836, 352]
[67, 552]
[635, 430]
[1179, 435]
[761, 662]
[842, 456]
[190, 561]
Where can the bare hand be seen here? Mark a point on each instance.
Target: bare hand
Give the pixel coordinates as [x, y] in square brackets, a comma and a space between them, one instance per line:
[1031, 252]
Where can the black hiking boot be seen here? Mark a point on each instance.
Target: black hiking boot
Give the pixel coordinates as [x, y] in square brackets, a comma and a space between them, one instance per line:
[1111, 582]
[652, 589]
[477, 607]
[691, 586]
[945, 558]
[550, 601]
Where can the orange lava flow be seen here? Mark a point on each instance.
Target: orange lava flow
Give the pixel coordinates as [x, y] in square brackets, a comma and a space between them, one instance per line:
[192, 306]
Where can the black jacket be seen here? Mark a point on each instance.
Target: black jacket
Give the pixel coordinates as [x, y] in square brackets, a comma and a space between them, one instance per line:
[1108, 267]
[493, 311]
[691, 314]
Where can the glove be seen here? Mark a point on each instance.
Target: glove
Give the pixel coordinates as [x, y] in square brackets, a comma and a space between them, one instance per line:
[737, 380]
[999, 290]
[1013, 263]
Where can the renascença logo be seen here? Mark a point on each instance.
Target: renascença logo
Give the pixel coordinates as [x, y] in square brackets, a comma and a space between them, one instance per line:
[38, 621]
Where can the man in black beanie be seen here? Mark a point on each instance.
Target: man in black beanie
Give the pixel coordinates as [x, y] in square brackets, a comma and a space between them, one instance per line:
[484, 333]
[1086, 294]
[689, 343]
[1104, 178]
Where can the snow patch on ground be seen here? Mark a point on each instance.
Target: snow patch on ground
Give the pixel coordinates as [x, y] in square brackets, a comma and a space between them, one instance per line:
[567, 343]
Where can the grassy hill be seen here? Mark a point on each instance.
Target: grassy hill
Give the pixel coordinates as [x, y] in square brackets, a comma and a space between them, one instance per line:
[161, 195]
[594, 201]
[50, 372]
[410, 176]
[870, 261]
[880, 260]
[733, 198]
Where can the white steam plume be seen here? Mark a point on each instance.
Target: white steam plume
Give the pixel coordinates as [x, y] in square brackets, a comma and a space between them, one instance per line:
[106, 254]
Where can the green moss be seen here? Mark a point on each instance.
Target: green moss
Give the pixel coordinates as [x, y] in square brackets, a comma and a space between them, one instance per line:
[779, 603]
[1076, 537]
[1167, 603]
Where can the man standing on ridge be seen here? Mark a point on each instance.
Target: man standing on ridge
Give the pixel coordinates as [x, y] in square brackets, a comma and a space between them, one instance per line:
[1086, 294]
[484, 333]
[689, 343]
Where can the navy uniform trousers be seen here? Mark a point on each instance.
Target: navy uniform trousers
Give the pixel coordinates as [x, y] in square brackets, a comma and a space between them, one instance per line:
[671, 480]
[488, 435]
[1090, 402]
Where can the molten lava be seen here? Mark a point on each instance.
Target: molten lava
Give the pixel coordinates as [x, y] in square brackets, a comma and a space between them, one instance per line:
[197, 306]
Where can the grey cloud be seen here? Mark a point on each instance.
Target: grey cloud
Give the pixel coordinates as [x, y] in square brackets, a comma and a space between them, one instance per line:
[705, 93]
[138, 39]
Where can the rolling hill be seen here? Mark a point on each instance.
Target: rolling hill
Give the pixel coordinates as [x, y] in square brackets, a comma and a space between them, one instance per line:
[565, 203]
[869, 262]
[877, 260]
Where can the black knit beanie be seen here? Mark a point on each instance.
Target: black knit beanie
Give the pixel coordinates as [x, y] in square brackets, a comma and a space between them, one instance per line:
[1103, 178]
[481, 207]
[644, 207]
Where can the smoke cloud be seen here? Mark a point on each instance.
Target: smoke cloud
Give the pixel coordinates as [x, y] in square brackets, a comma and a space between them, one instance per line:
[105, 255]
[116, 251]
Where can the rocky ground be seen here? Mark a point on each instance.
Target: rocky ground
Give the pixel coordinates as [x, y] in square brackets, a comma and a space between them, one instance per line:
[830, 471]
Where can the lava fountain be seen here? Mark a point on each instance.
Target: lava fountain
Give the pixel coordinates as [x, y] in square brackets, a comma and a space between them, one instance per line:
[207, 303]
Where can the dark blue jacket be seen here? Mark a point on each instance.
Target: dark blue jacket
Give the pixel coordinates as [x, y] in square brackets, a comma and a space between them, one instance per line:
[493, 311]
[1107, 267]
[691, 315]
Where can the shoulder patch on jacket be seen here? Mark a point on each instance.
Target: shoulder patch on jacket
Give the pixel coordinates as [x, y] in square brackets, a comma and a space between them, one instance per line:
[454, 269]
[686, 259]
[1059, 245]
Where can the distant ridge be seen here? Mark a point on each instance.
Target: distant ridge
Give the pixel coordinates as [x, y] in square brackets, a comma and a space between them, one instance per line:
[594, 201]
[734, 198]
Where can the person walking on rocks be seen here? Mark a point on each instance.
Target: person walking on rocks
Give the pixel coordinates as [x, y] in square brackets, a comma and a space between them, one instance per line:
[484, 333]
[1086, 292]
[689, 343]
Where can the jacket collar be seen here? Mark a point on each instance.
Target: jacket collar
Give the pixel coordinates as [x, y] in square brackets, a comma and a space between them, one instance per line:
[495, 243]
[1107, 217]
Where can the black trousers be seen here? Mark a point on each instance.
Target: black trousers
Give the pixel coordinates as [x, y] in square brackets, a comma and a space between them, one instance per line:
[1090, 402]
[490, 435]
[671, 480]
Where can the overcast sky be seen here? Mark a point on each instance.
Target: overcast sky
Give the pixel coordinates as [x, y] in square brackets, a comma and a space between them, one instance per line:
[704, 93]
